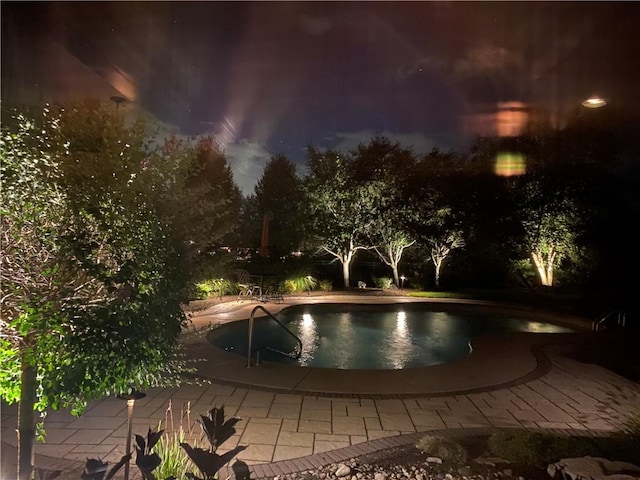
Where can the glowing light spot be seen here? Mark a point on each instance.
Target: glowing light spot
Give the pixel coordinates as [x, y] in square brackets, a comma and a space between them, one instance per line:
[510, 164]
[594, 102]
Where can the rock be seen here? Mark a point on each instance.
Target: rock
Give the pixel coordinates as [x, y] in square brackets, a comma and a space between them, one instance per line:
[466, 471]
[343, 471]
[434, 460]
[594, 468]
[508, 472]
[380, 476]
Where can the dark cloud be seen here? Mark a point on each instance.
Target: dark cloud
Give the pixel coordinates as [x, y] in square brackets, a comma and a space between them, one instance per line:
[282, 75]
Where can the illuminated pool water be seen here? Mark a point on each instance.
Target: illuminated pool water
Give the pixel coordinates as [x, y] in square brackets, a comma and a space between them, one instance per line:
[349, 336]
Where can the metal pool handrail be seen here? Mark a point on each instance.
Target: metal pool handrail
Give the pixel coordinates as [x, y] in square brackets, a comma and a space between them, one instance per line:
[269, 314]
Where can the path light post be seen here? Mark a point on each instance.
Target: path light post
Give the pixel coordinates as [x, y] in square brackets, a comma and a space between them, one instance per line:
[402, 279]
[131, 401]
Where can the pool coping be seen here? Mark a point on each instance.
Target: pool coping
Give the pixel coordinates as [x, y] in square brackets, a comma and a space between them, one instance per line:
[497, 361]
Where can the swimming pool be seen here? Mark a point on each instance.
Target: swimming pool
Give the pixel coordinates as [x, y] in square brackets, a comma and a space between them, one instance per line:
[383, 337]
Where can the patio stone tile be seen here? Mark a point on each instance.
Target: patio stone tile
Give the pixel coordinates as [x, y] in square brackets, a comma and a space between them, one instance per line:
[432, 420]
[227, 401]
[287, 399]
[290, 425]
[411, 404]
[256, 433]
[349, 426]
[58, 435]
[314, 426]
[286, 452]
[528, 415]
[93, 450]
[326, 446]
[216, 389]
[390, 406]
[555, 414]
[247, 412]
[355, 439]
[107, 423]
[559, 425]
[257, 398]
[324, 415]
[56, 451]
[432, 403]
[113, 408]
[396, 421]
[452, 425]
[264, 421]
[503, 422]
[367, 402]
[375, 434]
[356, 411]
[87, 437]
[257, 453]
[332, 437]
[300, 439]
[339, 409]
[284, 411]
[372, 423]
[463, 416]
[312, 403]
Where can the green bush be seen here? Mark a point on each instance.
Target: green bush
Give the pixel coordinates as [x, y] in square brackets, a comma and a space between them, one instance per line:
[298, 283]
[382, 282]
[445, 448]
[214, 286]
[538, 448]
[325, 285]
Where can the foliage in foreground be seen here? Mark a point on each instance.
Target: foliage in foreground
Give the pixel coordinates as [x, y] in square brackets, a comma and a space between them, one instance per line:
[168, 456]
[442, 447]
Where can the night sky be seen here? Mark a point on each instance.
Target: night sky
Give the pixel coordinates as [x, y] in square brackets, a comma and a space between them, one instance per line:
[274, 77]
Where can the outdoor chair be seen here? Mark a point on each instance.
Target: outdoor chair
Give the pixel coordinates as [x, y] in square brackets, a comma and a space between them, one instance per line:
[248, 289]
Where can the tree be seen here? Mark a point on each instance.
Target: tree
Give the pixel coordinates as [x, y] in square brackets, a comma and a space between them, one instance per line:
[278, 195]
[550, 222]
[200, 200]
[384, 167]
[436, 219]
[338, 211]
[91, 280]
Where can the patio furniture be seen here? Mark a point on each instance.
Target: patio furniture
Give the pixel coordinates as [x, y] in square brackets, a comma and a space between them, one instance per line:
[248, 288]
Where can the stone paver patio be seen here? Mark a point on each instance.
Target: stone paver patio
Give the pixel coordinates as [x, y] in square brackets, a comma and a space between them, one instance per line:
[286, 429]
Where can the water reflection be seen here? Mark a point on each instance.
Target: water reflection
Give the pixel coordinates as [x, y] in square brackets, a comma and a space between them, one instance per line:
[308, 334]
[399, 345]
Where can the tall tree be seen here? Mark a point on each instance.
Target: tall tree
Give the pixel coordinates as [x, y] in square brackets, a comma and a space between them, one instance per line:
[551, 222]
[437, 215]
[338, 211]
[278, 196]
[91, 280]
[200, 200]
[385, 166]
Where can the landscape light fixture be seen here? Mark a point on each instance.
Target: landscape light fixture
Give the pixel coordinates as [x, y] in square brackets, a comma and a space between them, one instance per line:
[131, 398]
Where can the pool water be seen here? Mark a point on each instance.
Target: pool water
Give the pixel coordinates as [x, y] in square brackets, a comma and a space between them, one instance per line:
[372, 337]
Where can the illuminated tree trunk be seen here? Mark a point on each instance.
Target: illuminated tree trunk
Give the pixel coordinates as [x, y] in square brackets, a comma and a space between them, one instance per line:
[345, 272]
[544, 267]
[437, 262]
[26, 419]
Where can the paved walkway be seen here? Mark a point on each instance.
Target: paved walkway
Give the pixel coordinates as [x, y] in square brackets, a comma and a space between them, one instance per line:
[298, 425]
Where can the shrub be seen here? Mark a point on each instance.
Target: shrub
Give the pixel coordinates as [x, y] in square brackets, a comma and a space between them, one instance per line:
[214, 286]
[382, 282]
[538, 448]
[299, 283]
[445, 448]
[325, 285]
